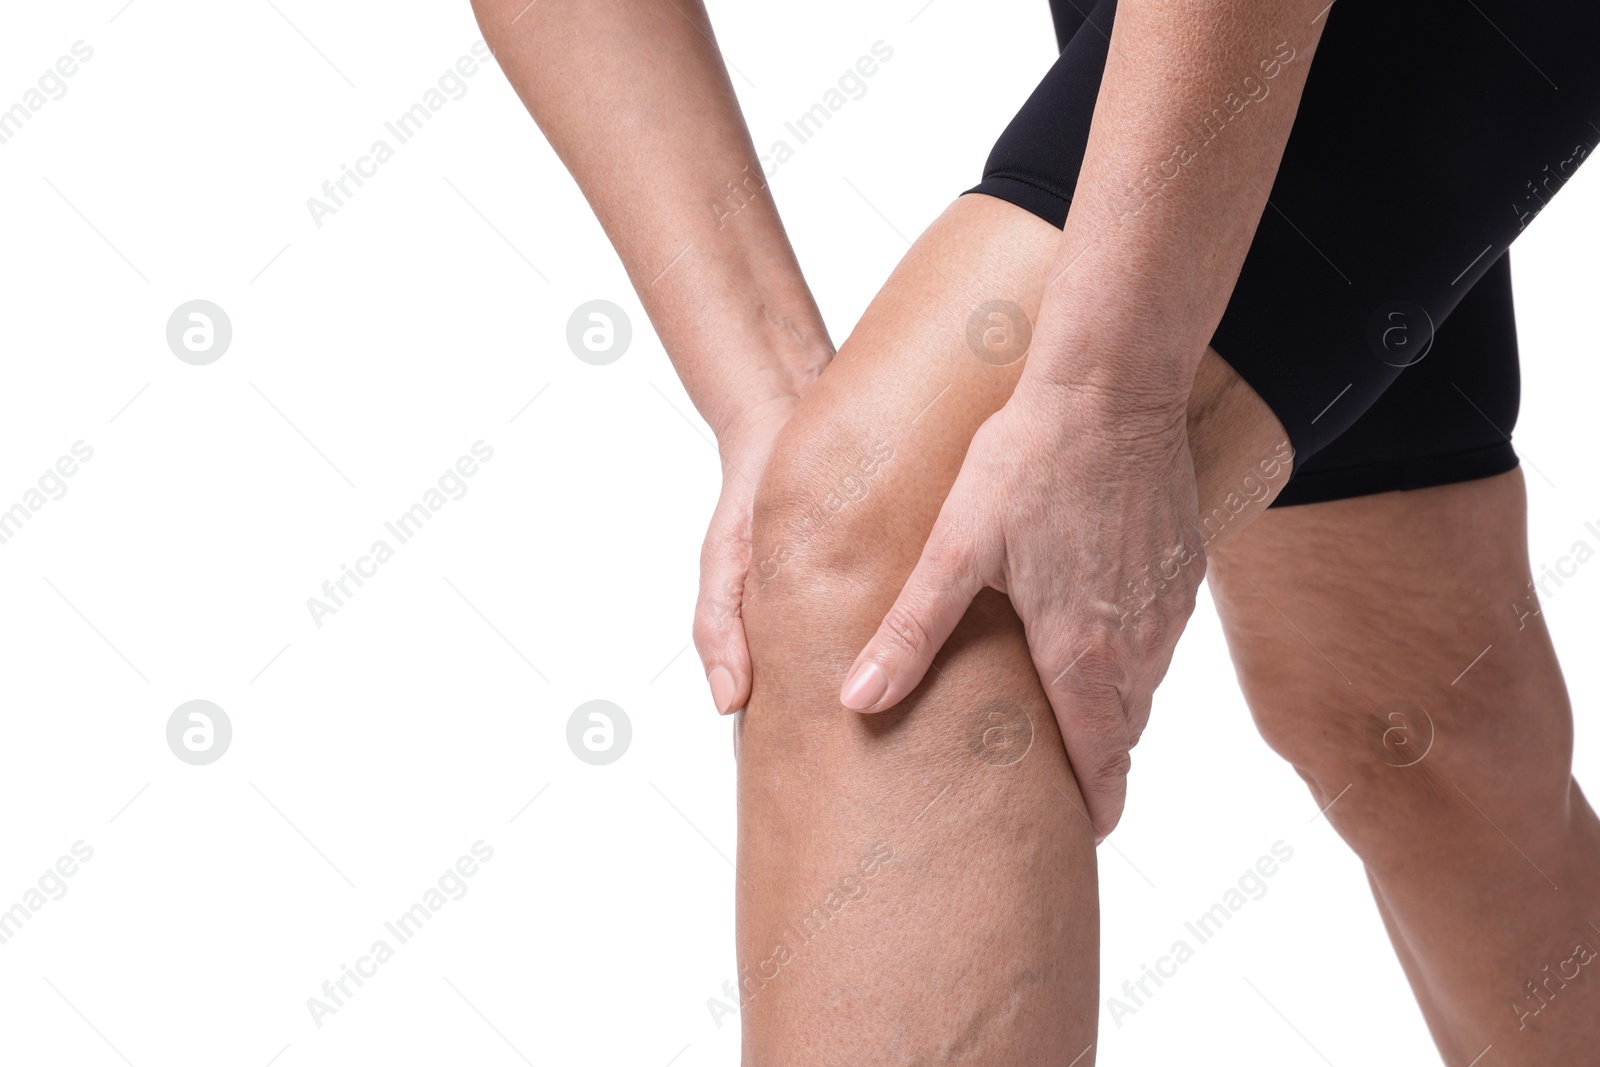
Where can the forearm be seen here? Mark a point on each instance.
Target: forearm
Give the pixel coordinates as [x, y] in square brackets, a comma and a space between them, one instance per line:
[634, 98]
[1195, 108]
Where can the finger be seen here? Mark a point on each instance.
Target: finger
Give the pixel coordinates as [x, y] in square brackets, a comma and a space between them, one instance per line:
[1139, 714]
[930, 604]
[1095, 730]
[719, 638]
[718, 628]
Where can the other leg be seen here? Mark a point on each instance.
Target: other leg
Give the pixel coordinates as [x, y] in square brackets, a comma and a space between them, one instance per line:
[1419, 695]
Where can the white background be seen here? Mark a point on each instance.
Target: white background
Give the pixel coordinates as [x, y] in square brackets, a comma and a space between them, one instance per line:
[370, 753]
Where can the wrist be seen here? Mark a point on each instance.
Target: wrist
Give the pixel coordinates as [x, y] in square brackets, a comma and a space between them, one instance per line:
[1120, 401]
[1103, 409]
[772, 360]
[792, 352]
[740, 334]
[1098, 378]
[755, 426]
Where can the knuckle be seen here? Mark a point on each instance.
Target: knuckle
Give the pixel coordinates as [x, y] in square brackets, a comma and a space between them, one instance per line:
[1107, 724]
[1189, 588]
[716, 604]
[906, 629]
[946, 555]
[716, 624]
[1149, 633]
[1138, 716]
[1094, 666]
[1110, 771]
[706, 636]
[1149, 640]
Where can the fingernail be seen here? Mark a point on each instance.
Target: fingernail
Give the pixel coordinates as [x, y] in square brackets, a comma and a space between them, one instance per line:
[1098, 838]
[865, 687]
[722, 689]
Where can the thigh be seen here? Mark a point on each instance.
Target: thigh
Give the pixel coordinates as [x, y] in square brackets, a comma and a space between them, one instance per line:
[1392, 641]
[937, 352]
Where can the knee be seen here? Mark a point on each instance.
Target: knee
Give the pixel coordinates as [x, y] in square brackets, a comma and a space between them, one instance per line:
[827, 513]
[838, 520]
[1423, 757]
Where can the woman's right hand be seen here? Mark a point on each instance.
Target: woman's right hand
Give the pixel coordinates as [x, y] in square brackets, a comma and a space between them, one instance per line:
[637, 102]
[725, 557]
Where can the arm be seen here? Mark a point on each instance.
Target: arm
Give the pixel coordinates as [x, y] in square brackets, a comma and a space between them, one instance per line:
[1194, 111]
[634, 97]
[1078, 497]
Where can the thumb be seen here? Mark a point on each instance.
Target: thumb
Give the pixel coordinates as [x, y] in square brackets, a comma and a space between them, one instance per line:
[931, 603]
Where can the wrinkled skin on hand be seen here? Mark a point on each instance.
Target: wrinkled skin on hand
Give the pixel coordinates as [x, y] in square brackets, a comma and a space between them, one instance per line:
[1086, 516]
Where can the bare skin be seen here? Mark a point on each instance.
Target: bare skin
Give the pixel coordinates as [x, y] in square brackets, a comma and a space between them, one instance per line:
[973, 939]
[1455, 789]
[635, 99]
[977, 942]
[1135, 293]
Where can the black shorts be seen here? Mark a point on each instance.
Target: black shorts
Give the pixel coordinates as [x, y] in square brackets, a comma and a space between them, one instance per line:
[1373, 313]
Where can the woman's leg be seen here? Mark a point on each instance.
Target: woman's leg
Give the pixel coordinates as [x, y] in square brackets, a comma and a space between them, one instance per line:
[919, 885]
[1445, 750]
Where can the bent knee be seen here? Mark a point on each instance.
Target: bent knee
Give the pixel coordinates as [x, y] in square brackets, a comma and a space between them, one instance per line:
[834, 507]
[1439, 757]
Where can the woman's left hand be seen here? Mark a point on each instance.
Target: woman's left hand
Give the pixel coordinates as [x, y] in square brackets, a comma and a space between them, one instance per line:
[1081, 505]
